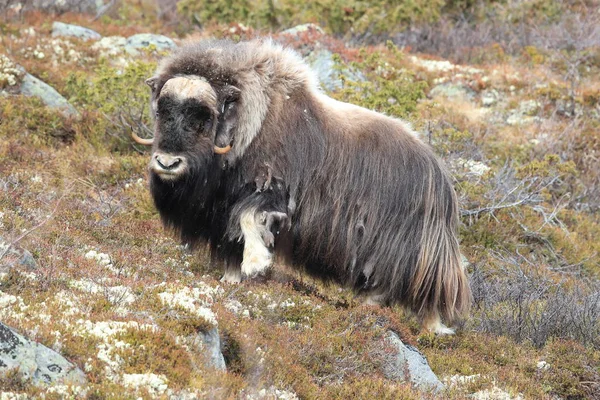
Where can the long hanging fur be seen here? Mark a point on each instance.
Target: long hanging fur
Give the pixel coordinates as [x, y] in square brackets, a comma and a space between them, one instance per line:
[370, 204]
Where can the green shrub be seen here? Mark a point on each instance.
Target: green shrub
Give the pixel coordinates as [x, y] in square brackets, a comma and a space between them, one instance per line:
[118, 98]
[338, 16]
[389, 88]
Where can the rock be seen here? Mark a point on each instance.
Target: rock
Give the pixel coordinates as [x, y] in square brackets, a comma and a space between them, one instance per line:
[112, 47]
[303, 28]
[13, 256]
[32, 86]
[453, 91]
[408, 364]
[323, 64]
[36, 362]
[212, 348]
[64, 6]
[62, 29]
[144, 40]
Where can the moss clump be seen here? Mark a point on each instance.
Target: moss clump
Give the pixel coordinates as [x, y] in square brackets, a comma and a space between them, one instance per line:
[155, 352]
[27, 119]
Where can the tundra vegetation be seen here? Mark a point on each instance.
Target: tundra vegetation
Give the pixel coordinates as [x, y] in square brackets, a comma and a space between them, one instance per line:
[507, 93]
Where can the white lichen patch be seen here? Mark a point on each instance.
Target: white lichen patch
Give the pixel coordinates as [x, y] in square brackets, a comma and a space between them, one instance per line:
[495, 393]
[10, 74]
[67, 303]
[57, 51]
[444, 66]
[67, 391]
[101, 258]
[154, 384]
[109, 347]
[13, 396]
[472, 167]
[12, 307]
[107, 329]
[196, 300]
[117, 295]
[104, 260]
[269, 393]
[459, 380]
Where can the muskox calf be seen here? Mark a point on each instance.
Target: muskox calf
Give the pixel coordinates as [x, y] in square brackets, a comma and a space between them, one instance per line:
[246, 145]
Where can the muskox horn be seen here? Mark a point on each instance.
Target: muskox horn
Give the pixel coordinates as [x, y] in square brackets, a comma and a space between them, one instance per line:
[139, 140]
[222, 150]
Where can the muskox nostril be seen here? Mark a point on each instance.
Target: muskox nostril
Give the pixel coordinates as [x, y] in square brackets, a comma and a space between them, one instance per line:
[167, 162]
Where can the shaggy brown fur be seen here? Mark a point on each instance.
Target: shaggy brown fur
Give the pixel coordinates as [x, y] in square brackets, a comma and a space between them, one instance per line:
[369, 204]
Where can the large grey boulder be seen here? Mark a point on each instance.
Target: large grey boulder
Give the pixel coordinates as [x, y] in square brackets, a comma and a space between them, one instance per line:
[323, 63]
[406, 363]
[34, 361]
[76, 31]
[32, 86]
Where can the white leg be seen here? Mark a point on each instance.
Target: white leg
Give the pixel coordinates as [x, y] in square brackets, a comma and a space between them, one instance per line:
[257, 258]
[232, 275]
[433, 323]
[372, 299]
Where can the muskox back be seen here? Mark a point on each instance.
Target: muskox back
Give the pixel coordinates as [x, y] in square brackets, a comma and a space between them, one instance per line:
[374, 207]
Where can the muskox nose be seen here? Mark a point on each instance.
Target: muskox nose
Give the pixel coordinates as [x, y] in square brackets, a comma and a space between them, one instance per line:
[168, 166]
[167, 162]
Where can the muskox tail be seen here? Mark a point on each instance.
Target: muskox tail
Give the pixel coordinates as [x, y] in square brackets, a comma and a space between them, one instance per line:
[440, 287]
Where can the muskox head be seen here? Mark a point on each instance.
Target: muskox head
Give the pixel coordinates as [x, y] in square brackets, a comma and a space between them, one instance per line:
[193, 121]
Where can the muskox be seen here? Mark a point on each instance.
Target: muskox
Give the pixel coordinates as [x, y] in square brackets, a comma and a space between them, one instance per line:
[252, 158]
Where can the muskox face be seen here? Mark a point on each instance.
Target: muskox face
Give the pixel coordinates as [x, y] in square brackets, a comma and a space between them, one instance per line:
[194, 120]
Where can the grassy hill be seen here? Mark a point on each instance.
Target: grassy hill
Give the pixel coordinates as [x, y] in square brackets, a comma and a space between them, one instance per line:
[507, 92]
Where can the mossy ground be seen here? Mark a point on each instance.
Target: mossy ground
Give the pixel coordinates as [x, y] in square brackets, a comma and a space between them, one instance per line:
[74, 187]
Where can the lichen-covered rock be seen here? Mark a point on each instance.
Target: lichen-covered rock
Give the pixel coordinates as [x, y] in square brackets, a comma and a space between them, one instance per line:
[453, 91]
[408, 364]
[62, 29]
[35, 362]
[294, 31]
[145, 40]
[32, 86]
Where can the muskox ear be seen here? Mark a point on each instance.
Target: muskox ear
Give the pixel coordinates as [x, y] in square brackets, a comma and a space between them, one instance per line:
[228, 110]
[152, 82]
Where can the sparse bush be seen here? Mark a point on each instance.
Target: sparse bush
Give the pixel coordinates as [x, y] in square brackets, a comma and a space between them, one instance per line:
[517, 300]
[119, 97]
